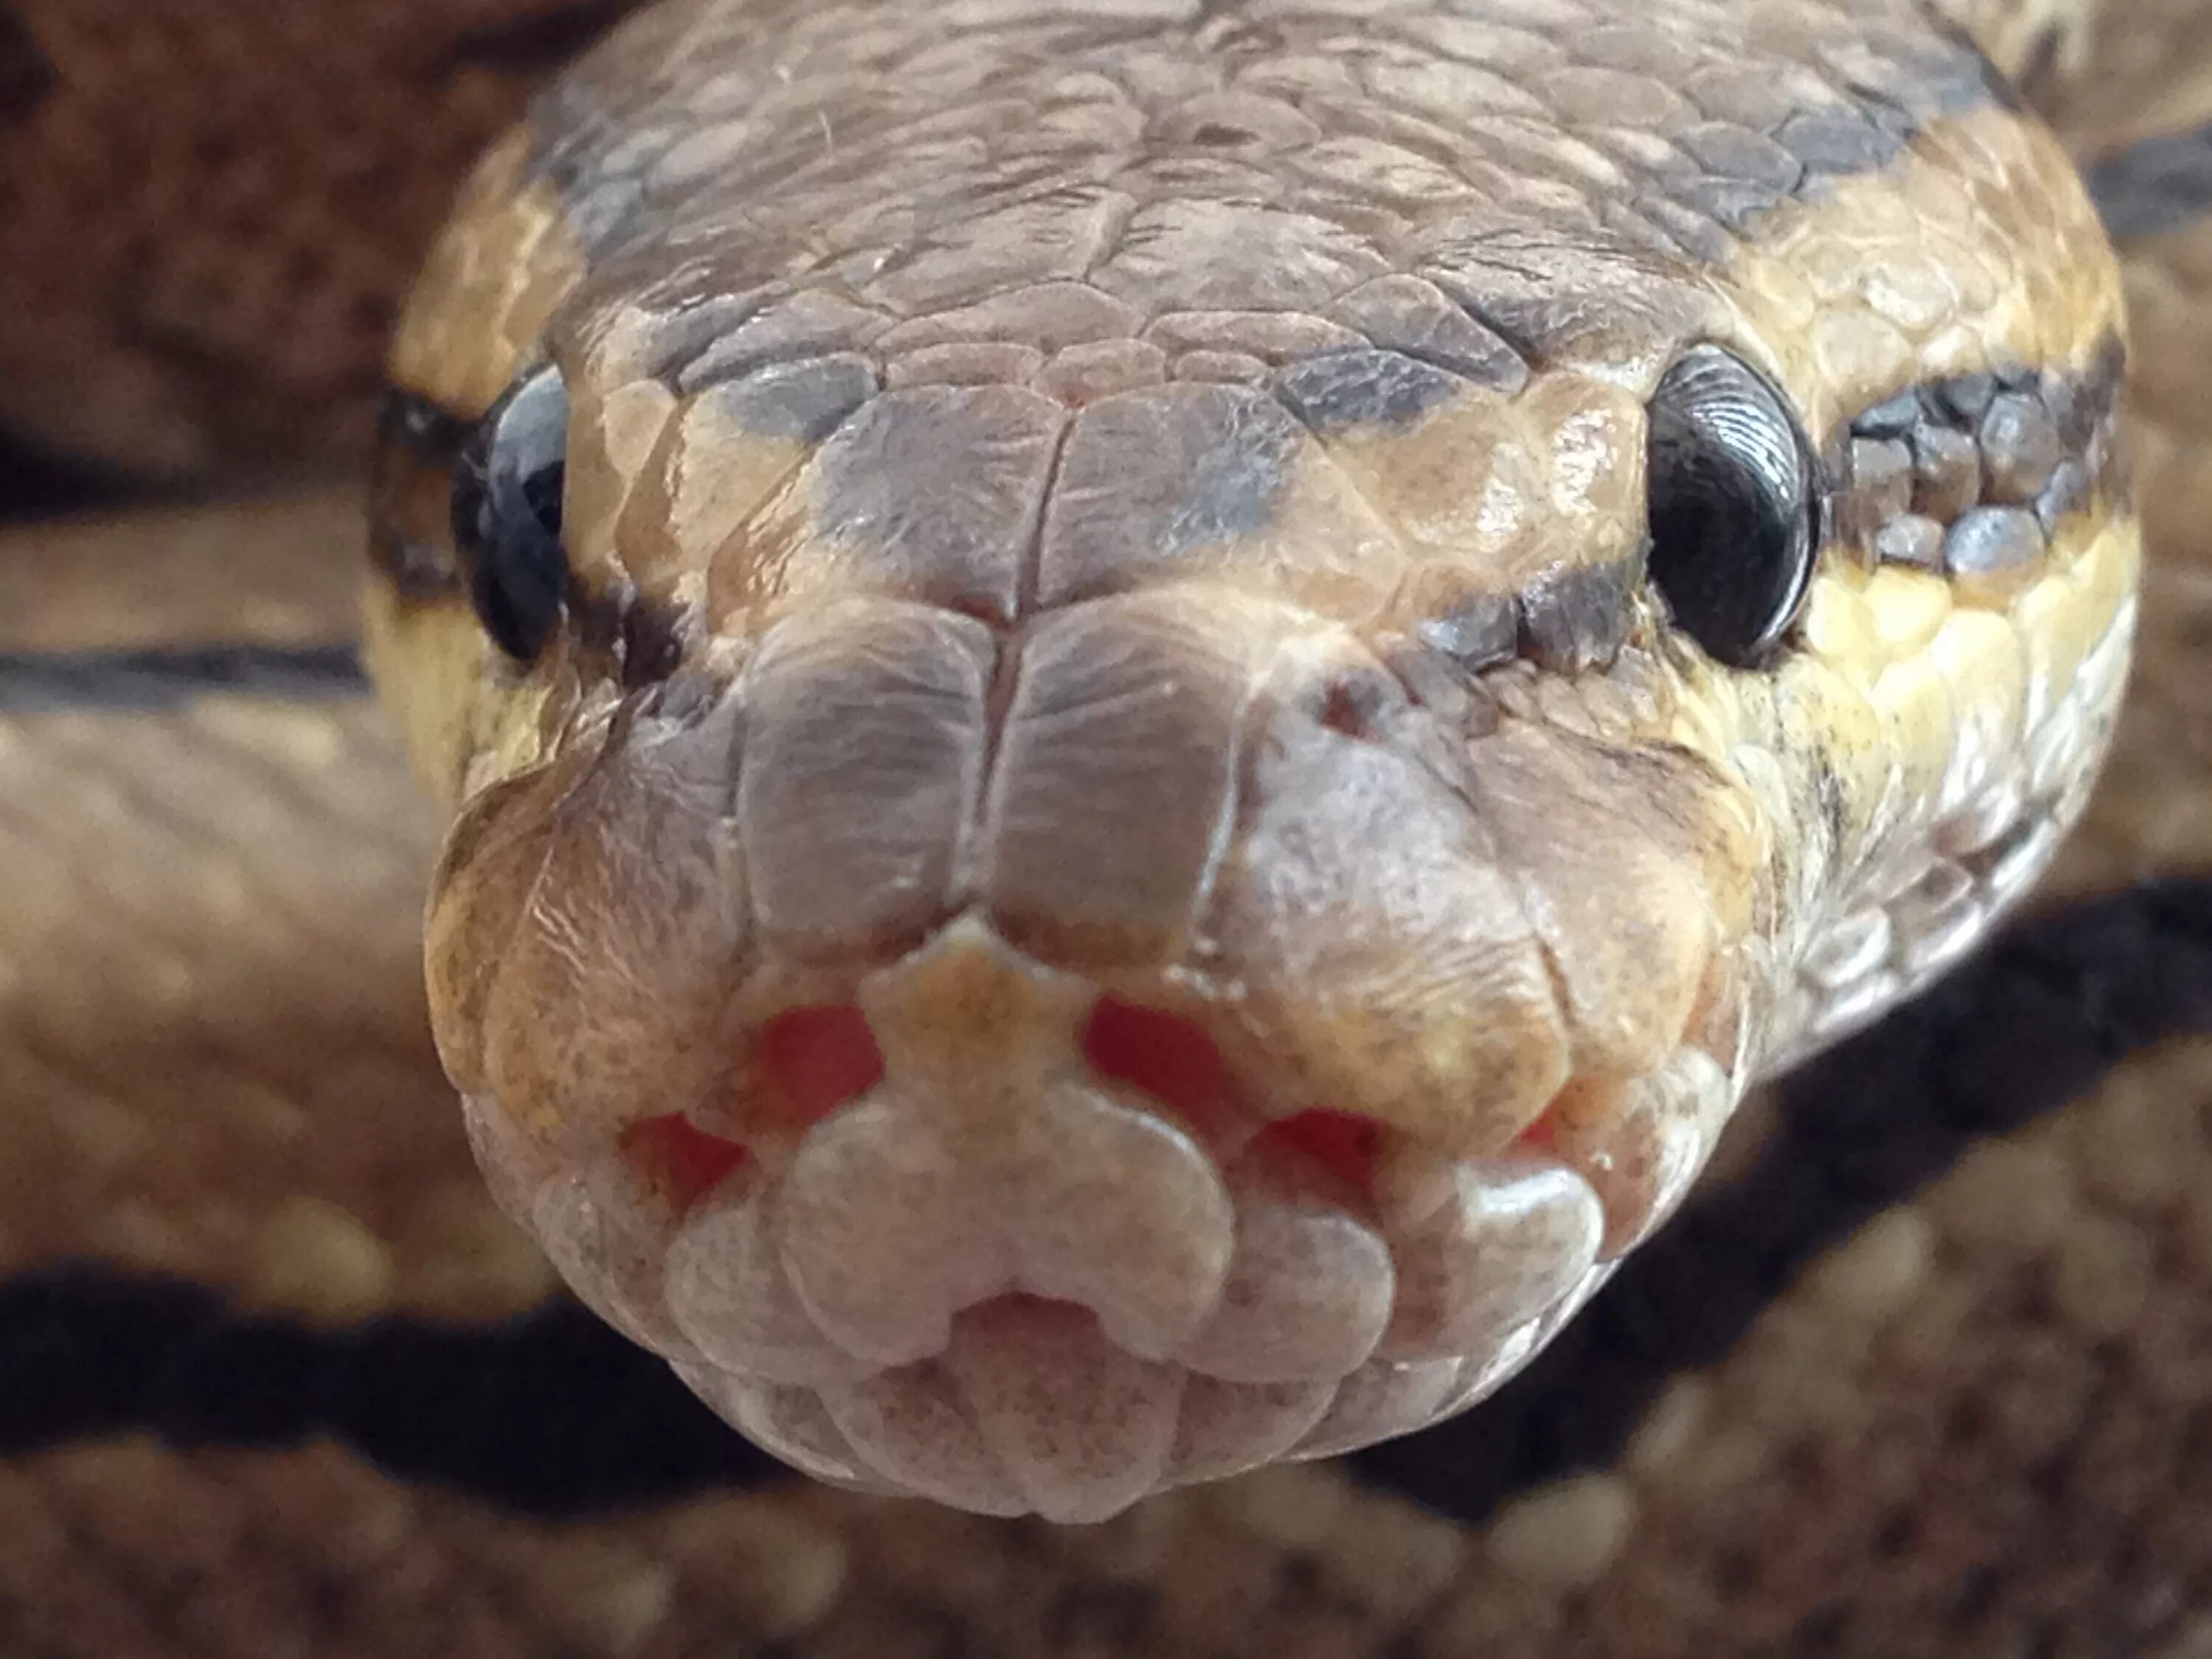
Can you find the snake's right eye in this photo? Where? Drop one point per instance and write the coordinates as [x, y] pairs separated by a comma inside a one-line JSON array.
[[1734, 512], [506, 514]]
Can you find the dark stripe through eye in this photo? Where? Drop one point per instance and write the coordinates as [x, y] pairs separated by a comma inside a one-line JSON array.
[[2158, 186], [1971, 477]]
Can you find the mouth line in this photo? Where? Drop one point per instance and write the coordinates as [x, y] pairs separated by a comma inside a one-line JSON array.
[[1136, 1281]]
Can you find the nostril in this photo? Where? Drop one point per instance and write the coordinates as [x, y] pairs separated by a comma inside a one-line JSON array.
[[1342, 713], [815, 1060], [1168, 1056], [1343, 1143], [679, 1160]]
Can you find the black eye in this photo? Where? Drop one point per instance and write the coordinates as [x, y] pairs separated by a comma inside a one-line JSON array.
[[1733, 512], [506, 514]]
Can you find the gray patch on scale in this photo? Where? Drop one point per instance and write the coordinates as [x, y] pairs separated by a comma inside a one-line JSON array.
[[1344, 389]]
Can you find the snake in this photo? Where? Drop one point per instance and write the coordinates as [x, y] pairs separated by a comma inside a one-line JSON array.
[[1984, 1410], [1149, 711], [1919, 1368]]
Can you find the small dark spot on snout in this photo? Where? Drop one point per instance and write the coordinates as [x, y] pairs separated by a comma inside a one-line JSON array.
[[1358, 703], [1340, 712], [1377, 707], [28, 75], [1365, 388]]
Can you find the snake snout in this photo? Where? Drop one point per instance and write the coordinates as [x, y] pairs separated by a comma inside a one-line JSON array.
[[1024, 1209], [990, 1233], [1027, 1208]]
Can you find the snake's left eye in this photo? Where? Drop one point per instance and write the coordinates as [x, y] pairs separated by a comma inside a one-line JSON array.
[[1734, 511], [506, 514]]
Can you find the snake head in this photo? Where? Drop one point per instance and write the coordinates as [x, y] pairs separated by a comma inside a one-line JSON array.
[[1110, 825]]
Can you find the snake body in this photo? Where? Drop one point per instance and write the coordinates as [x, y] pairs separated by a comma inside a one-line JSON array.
[[1151, 711]]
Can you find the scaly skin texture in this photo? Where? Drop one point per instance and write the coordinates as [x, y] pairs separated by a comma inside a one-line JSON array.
[[1031, 478]]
